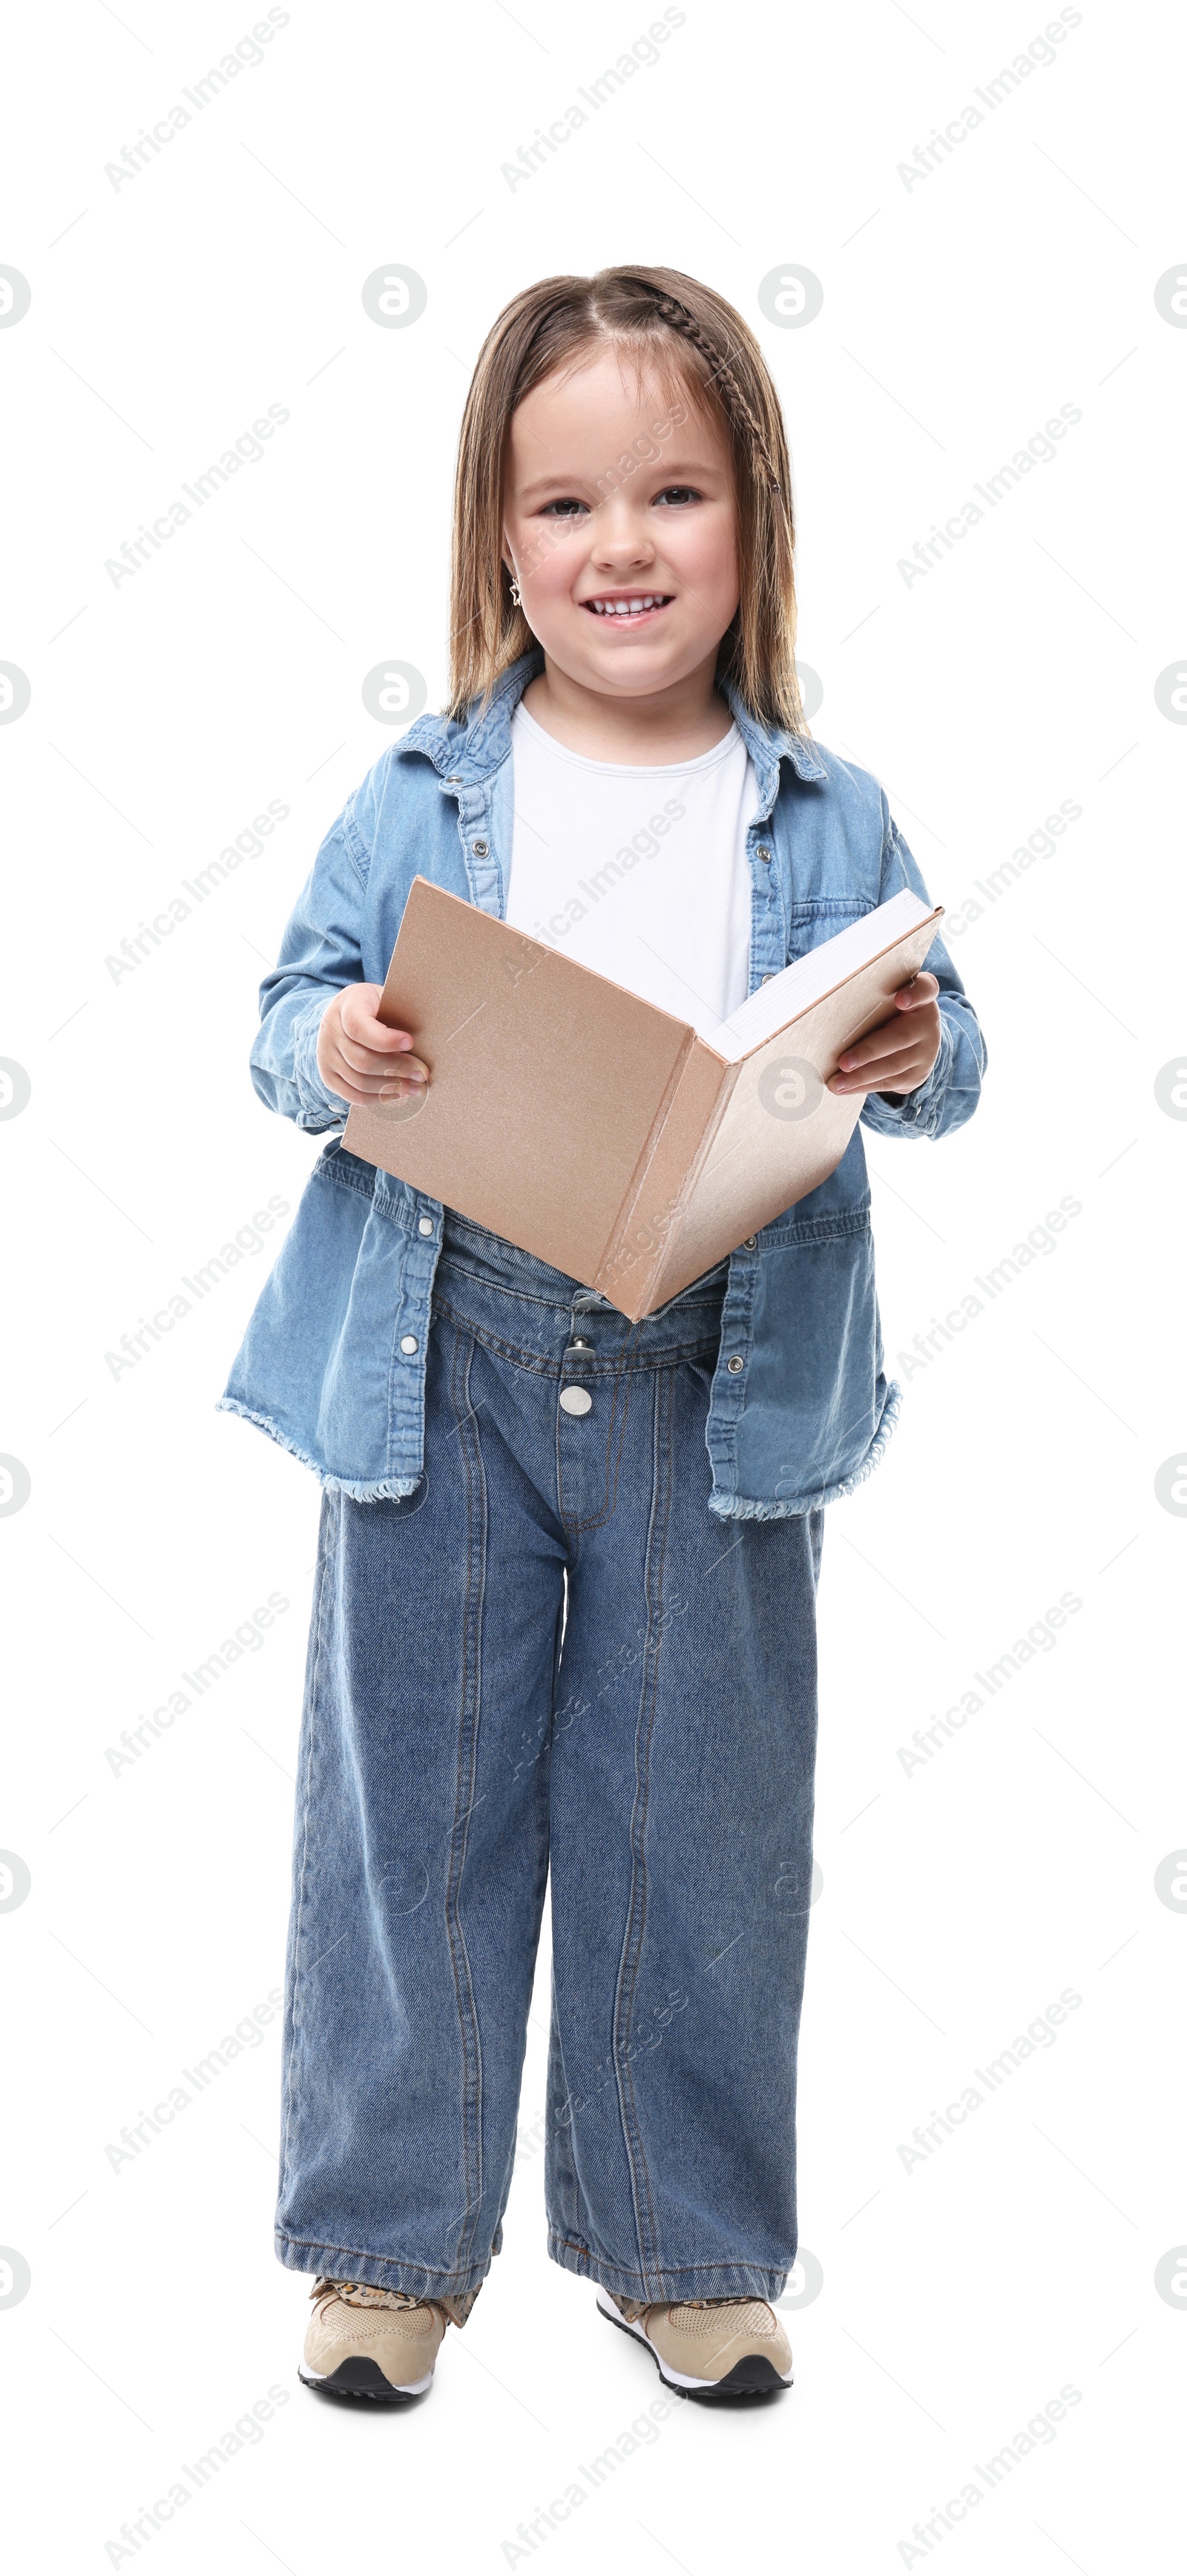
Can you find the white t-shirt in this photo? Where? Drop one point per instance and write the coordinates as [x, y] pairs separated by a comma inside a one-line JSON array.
[[640, 873]]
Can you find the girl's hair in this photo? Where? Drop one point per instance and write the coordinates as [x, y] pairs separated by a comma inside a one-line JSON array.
[[661, 318]]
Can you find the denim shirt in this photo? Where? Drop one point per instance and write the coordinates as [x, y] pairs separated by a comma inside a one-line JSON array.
[[333, 1360]]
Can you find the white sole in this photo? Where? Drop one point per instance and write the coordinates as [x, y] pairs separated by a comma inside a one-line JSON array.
[[671, 2378]]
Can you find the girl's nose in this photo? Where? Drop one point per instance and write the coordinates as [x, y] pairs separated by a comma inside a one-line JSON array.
[[620, 542], [619, 560]]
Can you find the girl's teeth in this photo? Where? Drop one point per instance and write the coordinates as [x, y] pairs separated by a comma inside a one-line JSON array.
[[624, 607]]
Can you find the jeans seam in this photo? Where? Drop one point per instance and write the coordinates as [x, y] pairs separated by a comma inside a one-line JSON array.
[[468, 1722], [660, 1365], [678, 2281], [664, 1367], [359, 2254], [551, 2125], [718, 2265], [328, 1552], [636, 1923], [538, 1364], [598, 1519], [512, 1286]]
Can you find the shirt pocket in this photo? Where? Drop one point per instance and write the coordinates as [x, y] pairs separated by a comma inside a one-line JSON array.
[[820, 918]]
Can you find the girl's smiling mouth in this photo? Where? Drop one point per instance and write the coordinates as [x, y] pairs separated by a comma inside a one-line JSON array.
[[627, 607]]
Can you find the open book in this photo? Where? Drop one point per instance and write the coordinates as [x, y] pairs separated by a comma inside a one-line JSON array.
[[598, 1132]]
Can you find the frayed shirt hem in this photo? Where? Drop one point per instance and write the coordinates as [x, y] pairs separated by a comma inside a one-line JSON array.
[[392, 1489], [742, 1507], [726, 1507]]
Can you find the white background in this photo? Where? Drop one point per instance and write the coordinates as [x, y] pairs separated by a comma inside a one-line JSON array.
[[959, 1898]]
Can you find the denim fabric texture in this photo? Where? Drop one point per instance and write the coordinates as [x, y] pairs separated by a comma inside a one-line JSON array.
[[333, 1360], [660, 1759]]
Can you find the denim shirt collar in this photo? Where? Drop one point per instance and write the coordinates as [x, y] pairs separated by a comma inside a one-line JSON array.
[[464, 755]]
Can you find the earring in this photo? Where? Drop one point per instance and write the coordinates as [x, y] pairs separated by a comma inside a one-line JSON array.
[[515, 599]]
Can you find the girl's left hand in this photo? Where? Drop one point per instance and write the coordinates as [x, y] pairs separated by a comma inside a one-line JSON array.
[[899, 1055]]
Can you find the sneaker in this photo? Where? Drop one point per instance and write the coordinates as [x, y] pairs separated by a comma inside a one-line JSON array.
[[383, 2344], [708, 2347]]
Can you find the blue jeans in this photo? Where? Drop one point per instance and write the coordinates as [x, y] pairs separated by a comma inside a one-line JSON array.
[[552, 1655]]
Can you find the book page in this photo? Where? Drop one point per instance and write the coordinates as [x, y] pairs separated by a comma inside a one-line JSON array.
[[781, 1131], [775, 1004]]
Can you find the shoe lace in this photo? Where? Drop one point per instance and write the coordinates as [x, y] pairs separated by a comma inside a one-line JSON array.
[[365, 2294]]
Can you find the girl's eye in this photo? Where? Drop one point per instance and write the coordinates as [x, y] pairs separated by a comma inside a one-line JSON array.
[[678, 493], [562, 509]]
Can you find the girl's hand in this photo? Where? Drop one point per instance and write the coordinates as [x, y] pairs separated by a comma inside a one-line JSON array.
[[899, 1055], [359, 1057]]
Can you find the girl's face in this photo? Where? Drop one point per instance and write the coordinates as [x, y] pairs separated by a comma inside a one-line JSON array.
[[619, 526]]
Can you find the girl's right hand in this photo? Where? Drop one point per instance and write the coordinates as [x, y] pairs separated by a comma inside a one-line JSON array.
[[359, 1057]]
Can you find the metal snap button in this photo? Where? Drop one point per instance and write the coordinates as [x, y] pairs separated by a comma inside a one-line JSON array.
[[425, 1226], [765, 854], [733, 1365], [575, 1399], [453, 782], [751, 1241], [481, 849], [409, 1344], [578, 1344], [768, 979]]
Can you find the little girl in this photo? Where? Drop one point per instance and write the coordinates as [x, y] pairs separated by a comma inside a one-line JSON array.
[[564, 1614]]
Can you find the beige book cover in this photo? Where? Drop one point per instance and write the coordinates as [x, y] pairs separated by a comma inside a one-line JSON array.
[[594, 1130]]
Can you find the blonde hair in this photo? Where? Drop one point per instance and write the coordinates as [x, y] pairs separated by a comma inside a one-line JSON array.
[[661, 317]]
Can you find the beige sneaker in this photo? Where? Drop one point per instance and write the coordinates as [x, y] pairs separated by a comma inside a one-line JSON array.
[[708, 2347], [383, 2344]]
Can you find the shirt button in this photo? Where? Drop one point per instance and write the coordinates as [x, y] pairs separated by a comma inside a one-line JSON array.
[[768, 979], [765, 854], [733, 1365], [425, 1226], [481, 849], [750, 1243], [453, 782], [409, 1344], [575, 1399]]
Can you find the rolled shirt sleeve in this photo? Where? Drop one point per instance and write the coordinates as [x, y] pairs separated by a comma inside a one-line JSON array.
[[319, 955], [952, 1089]]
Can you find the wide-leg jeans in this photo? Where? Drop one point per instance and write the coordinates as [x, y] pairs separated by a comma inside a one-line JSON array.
[[551, 1657]]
